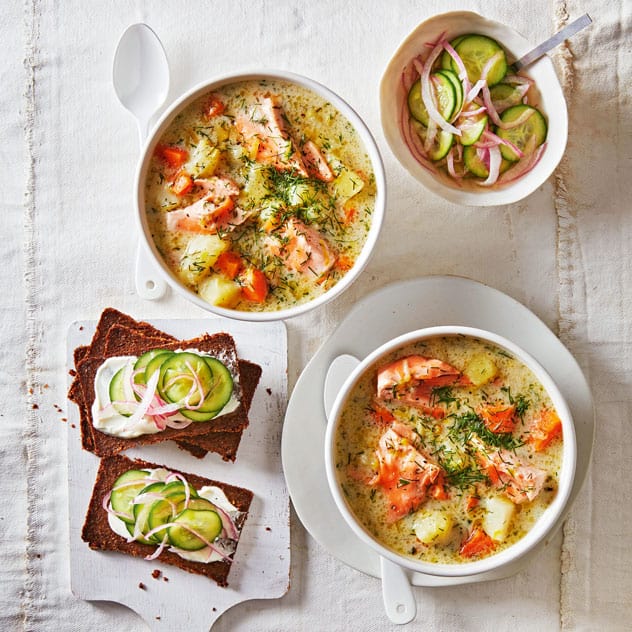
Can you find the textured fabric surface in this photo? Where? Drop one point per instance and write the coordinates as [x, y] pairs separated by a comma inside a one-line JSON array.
[[69, 152]]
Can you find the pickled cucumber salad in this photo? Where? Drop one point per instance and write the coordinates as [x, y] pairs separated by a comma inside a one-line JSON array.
[[468, 117], [161, 389], [449, 451], [162, 509], [259, 196]]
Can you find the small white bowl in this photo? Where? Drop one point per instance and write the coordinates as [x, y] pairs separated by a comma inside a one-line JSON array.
[[552, 104], [544, 524], [376, 218]]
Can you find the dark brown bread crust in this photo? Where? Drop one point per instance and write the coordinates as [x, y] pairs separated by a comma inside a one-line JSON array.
[[221, 345], [115, 334], [97, 533]]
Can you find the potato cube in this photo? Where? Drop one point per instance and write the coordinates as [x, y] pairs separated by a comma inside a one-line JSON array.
[[200, 256], [219, 290], [433, 526], [257, 184], [347, 182], [480, 369], [204, 160], [497, 517]]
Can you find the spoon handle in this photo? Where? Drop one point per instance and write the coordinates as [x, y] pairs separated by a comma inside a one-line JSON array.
[[568, 31]]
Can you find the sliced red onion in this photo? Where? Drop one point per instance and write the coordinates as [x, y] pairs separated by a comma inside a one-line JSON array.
[[523, 166], [428, 96], [450, 163], [494, 139], [145, 402], [473, 93], [229, 525], [490, 62], [469, 113], [518, 79], [465, 80], [494, 167], [105, 503], [158, 550]]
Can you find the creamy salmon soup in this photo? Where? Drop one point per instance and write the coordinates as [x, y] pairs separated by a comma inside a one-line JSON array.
[[448, 450], [259, 196]]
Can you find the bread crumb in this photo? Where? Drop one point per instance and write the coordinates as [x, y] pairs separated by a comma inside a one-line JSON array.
[[268, 529], [35, 407], [269, 391], [142, 586], [156, 573], [165, 579]]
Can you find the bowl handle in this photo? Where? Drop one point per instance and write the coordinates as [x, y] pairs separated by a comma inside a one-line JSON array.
[[397, 593], [149, 283], [339, 370]]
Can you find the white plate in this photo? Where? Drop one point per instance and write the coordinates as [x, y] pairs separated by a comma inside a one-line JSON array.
[[389, 312], [262, 562]]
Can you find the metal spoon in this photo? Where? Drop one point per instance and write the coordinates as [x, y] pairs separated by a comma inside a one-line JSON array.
[[568, 31], [141, 82]]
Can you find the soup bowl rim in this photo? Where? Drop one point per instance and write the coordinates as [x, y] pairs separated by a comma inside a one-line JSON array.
[[542, 527], [369, 144]]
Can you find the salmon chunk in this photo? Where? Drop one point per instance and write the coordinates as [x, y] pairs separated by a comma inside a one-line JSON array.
[[301, 248], [411, 380], [316, 162], [405, 473], [519, 482], [214, 212], [263, 125]]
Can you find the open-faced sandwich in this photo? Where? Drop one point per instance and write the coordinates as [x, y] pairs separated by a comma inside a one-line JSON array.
[[137, 385], [147, 510]]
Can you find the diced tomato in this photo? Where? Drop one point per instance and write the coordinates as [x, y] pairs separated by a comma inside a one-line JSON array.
[[214, 108], [173, 155], [476, 543], [182, 184], [230, 263], [499, 418], [254, 285], [547, 428]]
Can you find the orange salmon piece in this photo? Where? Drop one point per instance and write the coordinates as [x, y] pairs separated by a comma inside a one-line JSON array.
[[405, 473]]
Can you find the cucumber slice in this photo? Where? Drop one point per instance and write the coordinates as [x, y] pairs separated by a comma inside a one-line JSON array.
[[473, 130], [416, 105], [141, 514], [445, 94], [155, 363], [177, 377], [526, 136], [476, 51], [119, 393], [446, 58], [476, 166], [473, 163], [162, 511], [441, 145], [130, 484], [458, 91], [505, 96], [207, 523], [141, 364]]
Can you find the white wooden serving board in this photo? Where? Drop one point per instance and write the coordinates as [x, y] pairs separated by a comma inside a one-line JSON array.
[[262, 561]]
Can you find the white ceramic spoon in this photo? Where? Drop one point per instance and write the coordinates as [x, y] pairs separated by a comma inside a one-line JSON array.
[[141, 81], [397, 593]]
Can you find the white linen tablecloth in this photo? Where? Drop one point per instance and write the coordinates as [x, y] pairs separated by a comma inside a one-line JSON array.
[[68, 154]]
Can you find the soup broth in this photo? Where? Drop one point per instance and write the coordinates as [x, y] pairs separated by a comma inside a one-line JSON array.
[[259, 196], [448, 450]]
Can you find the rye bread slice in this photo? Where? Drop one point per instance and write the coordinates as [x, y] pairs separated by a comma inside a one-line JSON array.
[[226, 443], [220, 345], [99, 536]]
